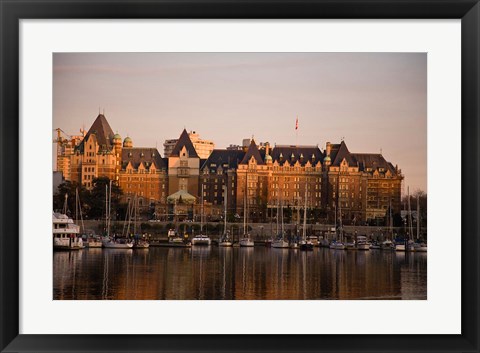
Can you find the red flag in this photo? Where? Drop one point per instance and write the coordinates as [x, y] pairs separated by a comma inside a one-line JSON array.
[[296, 124]]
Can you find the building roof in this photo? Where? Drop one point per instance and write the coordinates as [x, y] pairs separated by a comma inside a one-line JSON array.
[[292, 154], [184, 140], [138, 155], [343, 153], [252, 152], [224, 158], [181, 195], [104, 133], [372, 161]]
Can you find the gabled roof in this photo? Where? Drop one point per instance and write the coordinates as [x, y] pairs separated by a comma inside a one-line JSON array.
[[139, 155], [252, 152], [184, 140], [181, 195], [218, 158], [302, 154], [102, 130], [343, 153], [373, 161]]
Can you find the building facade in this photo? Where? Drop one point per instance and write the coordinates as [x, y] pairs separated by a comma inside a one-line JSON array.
[[335, 183]]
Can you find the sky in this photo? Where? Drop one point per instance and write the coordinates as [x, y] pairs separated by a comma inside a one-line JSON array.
[[375, 102]]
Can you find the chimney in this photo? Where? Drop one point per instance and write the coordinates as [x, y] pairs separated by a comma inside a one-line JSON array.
[[267, 148]]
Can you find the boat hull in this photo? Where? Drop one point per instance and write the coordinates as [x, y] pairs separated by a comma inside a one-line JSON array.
[[280, 244], [201, 242], [113, 245], [246, 243]]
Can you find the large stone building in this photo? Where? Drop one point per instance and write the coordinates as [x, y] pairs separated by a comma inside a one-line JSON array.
[[101, 153], [258, 178]]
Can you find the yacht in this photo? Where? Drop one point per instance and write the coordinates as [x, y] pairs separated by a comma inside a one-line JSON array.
[[362, 243], [246, 242], [114, 243], [66, 234], [201, 239], [280, 243]]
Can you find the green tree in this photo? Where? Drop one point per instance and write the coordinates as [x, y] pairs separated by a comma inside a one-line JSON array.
[[69, 188], [97, 200]]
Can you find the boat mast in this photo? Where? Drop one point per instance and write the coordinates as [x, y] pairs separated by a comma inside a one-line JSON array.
[[305, 216], [418, 217], [335, 221], [78, 207], [278, 215], [341, 226], [135, 202], [201, 210], [65, 204], [109, 206], [390, 220], [106, 209], [409, 215], [225, 212]]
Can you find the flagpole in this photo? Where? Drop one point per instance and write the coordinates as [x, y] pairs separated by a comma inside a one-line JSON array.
[[296, 132]]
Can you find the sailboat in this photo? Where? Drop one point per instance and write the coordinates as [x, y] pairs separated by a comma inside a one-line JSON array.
[[109, 242], [280, 242], [201, 239], [419, 247], [338, 244], [245, 241], [406, 245], [138, 242], [225, 239], [304, 243], [91, 241]]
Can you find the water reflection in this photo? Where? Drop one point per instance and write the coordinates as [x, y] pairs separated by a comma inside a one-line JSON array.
[[238, 273]]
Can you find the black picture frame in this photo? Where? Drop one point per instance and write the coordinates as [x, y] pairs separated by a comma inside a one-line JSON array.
[[13, 11]]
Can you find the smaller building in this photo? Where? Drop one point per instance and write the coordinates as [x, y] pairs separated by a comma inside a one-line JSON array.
[[202, 147]]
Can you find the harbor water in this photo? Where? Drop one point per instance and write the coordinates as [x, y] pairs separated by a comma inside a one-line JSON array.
[[259, 273]]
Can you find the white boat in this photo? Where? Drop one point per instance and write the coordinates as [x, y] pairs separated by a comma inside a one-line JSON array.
[[362, 243], [141, 244], [305, 244], [419, 247], [400, 247], [246, 242], [201, 239], [387, 245], [114, 242], [110, 243], [225, 240], [337, 245], [280, 242], [92, 242], [294, 245], [66, 234], [350, 245]]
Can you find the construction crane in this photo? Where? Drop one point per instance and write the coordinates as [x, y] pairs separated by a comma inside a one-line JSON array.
[[61, 141]]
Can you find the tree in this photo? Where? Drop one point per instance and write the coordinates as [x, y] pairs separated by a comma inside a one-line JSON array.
[[69, 188], [422, 197], [97, 200]]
